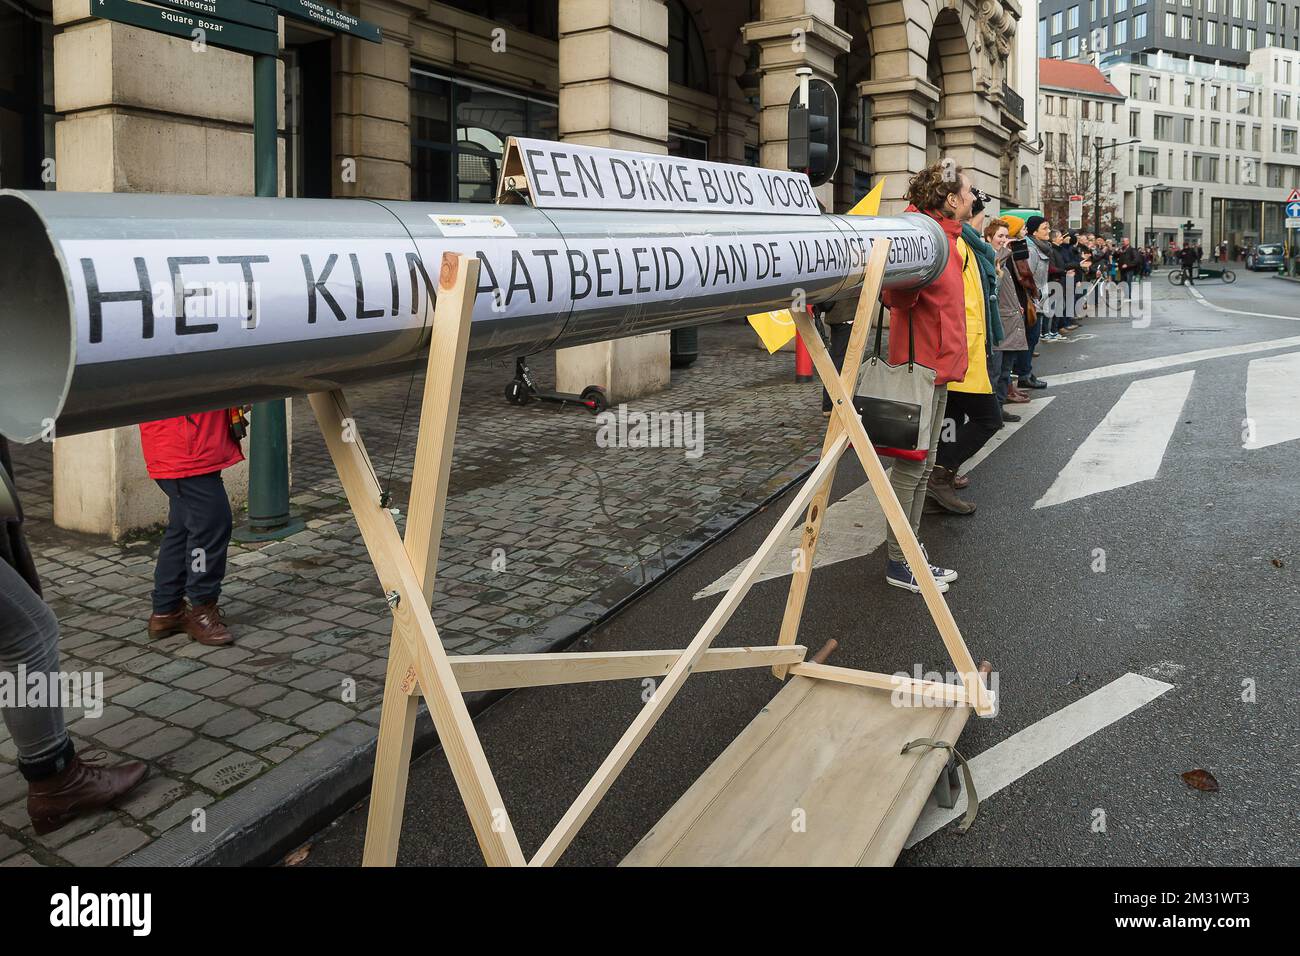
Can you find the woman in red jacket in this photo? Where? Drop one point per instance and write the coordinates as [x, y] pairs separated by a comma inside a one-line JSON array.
[[936, 314], [186, 456]]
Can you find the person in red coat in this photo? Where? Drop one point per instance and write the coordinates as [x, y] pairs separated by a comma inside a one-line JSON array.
[[936, 315], [185, 457]]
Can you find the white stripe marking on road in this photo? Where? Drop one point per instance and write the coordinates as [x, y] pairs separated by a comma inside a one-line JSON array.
[[855, 525], [1028, 749], [1170, 361], [1218, 308], [1129, 444], [1273, 399]]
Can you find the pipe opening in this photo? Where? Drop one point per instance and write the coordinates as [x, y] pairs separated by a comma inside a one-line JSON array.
[[37, 327]]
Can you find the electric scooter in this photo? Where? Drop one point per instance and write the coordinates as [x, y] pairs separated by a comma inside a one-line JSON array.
[[523, 390]]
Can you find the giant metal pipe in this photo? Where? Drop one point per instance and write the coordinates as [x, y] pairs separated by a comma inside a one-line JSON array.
[[120, 308]]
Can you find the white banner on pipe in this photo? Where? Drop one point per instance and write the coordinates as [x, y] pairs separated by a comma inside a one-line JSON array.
[[571, 176], [156, 297]]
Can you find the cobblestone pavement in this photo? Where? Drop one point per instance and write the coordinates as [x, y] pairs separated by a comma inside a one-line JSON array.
[[545, 531]]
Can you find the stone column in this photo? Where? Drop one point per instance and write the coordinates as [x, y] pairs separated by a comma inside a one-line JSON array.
[[372, 111], [614, 92], [142, 112], [901, 111], [790, 35]]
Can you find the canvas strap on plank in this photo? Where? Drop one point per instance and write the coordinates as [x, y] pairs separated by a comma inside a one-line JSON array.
[[972, 798]]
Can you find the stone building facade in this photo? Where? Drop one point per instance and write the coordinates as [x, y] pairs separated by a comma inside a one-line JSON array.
[[424, 116]]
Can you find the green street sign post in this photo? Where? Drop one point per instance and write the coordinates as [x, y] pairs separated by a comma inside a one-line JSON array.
[[239, 37], [268, 442], [252, 27], [326, 16], [247, 12]]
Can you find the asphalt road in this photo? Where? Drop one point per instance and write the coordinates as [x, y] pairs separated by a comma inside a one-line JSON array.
[[1200, 590]]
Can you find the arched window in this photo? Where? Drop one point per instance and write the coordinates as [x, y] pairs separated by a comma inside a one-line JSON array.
[[687, 64]]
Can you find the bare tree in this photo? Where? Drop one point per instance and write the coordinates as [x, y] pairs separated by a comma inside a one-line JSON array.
[[1068, 171]]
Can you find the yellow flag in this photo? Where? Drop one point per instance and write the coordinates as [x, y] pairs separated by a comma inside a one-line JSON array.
[[869, 205], [777, 328], [774, 328]]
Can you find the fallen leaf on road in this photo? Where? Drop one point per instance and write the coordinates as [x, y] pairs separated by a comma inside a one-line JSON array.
[[300, 854], [1201, 780], [1277, 563]]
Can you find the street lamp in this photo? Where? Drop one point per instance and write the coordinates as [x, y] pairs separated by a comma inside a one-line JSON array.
[[1097, 147], [1137, 213]]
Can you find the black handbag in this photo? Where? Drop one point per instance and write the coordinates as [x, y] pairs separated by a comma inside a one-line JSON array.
[[896, 402]]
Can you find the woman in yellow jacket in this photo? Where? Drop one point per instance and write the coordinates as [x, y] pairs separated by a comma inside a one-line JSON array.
[[972, 415]]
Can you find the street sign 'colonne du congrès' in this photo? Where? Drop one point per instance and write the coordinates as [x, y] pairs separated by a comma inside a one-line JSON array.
[[246, 26]]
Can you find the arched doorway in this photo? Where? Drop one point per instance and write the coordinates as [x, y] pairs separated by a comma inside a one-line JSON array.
[[950, 68]]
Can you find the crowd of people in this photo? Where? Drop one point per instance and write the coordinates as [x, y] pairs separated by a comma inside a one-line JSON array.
[[1009, 284]]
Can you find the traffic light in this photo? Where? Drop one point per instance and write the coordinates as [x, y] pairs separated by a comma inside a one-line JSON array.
[[813, 137], [1117, 228]]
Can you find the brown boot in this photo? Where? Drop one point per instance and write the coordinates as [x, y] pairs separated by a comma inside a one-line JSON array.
[[204, 624], [960, 481], [940, 491], [164, 625], [81, 787]]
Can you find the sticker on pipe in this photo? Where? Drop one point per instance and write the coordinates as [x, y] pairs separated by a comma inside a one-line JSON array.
[[476, 226]]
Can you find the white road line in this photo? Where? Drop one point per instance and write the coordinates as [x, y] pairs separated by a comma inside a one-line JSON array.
[[1129, 444], [855, 525], [1273, 399], [1008, 761], [1171, 361], [1218, 308]]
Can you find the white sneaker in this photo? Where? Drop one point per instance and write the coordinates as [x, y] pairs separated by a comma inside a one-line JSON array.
[[946, 575]]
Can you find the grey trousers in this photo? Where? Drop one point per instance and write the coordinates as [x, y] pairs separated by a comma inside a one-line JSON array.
[[29, 635], [909, 478]]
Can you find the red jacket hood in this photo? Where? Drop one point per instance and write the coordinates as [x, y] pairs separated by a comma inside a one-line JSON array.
[[189, 445]]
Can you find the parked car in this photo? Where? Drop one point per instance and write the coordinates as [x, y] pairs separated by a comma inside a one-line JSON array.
[[1267, 255]]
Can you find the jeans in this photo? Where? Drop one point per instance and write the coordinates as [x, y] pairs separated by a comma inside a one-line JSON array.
[[192, 556], [1024, 362], [1002, 383], [909, 478], [977, 417], [29, 637]]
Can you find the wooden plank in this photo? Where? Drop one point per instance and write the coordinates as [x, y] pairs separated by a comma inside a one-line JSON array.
[[414, 623], [596, 788], [868, 311], [884, 492], [496, 671], [816, 779], [436, 436], [918, 692]]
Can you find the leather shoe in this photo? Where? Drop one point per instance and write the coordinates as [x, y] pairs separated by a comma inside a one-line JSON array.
[[204, 624], [1008, 417], [163, 625], [82, 786], [1016, 397], [1032, 382], [940, 491]]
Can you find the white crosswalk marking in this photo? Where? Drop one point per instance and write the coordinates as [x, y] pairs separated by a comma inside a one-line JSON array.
[[1004, 763], [855, 525], [1273, 400], [1128, 445]]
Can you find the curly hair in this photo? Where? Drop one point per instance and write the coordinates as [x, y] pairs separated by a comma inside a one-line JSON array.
[[929, 189], [993, 225]]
